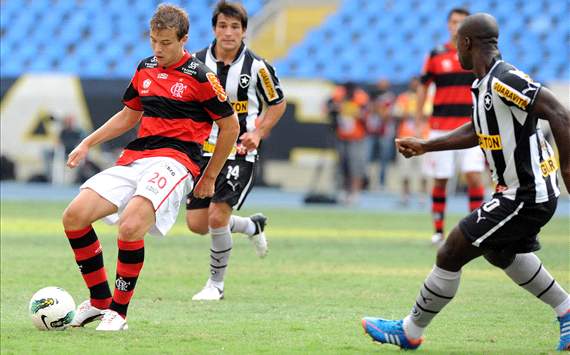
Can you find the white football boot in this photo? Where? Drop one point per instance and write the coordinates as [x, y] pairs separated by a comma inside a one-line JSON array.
[[86, 313], [258, 238], [210, 292], [112, 322]]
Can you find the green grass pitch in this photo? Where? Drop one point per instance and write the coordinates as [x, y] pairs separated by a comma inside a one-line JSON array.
[[326, 269]]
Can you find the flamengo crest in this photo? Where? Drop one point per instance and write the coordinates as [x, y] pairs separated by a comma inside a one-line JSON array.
[[177, 89]]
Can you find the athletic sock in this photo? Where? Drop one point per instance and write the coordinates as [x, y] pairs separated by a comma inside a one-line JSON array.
[[242, 225], [89, 258], [411, 329], [220, 252], [129, 264], [563, 308], [529, 273], [476, 195], [438, 198], [438, 290]]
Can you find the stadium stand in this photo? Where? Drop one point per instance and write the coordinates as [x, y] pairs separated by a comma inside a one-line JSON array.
[[362, 41], [92, 38], [370, 39]]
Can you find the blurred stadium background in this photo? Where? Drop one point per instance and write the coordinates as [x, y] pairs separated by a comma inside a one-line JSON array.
[[63, 58]]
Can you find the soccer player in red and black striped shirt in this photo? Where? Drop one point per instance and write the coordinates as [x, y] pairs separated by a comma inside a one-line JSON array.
[[175, 99], [451, 109]]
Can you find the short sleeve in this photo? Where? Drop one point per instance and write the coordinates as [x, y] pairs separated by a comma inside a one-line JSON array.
[[131, 97], [268, 84], [214, 98], [516, 89]]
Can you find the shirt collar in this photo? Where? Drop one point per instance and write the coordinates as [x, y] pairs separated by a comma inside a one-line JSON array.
[[495, 62], [240, 51]]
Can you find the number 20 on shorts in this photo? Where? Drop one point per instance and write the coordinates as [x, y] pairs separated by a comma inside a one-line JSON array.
[[159, 180]]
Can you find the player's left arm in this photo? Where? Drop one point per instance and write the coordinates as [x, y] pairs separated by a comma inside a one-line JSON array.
[[266, 122], [547, 107], [270, 90]]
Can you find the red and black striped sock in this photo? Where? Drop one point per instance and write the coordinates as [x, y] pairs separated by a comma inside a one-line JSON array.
[[476, 195], [438, 197], [89, 257], [129, 265]]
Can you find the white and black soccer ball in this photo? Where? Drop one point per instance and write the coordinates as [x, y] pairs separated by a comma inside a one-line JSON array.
[[52, 308]]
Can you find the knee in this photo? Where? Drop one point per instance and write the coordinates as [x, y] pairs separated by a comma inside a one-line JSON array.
[[218, 218], [197, 225], [500, 259], [129, 230], [450, 257], [445, 255], [74, 219]]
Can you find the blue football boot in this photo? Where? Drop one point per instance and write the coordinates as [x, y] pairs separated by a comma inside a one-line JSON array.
[[389, 332], [564, 344]]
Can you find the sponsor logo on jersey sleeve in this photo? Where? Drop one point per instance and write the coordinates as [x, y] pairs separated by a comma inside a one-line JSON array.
[[218, 89], [510, 94], [267, 84]]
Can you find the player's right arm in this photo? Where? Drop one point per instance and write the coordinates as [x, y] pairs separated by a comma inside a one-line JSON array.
[[549, 108], [215, 101], [117, 125], [120, 123], [460, 138]]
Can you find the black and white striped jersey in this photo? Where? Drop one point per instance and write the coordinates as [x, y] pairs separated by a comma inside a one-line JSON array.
[[250, 83], [522, 162]]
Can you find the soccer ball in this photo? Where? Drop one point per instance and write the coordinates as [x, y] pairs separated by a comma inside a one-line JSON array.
[[52, 308]]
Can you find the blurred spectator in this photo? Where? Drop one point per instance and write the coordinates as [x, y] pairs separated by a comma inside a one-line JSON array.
[[347, 109], [68, 138], [381, 129], [7, 168], [334, 104], [70, 135], [410, 169]]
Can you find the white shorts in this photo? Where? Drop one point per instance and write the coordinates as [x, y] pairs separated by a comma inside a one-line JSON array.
[[442, 164], [163, 181], [411, 167]]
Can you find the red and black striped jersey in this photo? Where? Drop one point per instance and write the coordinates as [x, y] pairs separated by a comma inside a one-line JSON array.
[[179, 105], [452, 102]]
